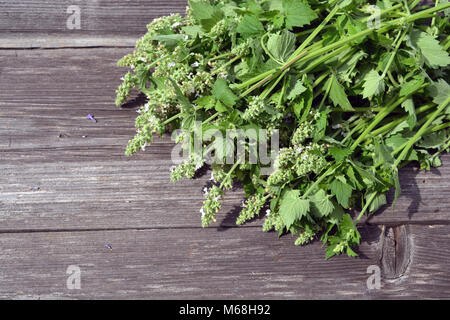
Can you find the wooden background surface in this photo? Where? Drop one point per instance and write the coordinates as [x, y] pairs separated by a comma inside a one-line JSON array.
[[69, 196]]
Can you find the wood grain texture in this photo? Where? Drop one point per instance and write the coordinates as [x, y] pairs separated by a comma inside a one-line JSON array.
[[97, 17], [207, 264], [85, 181], [69, 196]]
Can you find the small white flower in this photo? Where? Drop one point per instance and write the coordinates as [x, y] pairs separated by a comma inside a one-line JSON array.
[[212, 177], [205, 191], [217, 198], [299, 150], [336, 126], [202, 212], [243, 204], [171, 64], [304, 157], [176, 24], [186, 37], [142, 59], [195, 64], [144, 146], [267, 212]]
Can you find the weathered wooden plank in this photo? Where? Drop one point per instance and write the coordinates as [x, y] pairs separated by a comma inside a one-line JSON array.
[[97, 17], [208, 264], [85, 180], [423, 268], [21, 40]]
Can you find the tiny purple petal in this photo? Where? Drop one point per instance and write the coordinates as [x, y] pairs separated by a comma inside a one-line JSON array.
[[91, 117]]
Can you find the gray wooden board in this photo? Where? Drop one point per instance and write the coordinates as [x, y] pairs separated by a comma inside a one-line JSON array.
[[88, 183], [97, 17], [211, 264], [67, 192]]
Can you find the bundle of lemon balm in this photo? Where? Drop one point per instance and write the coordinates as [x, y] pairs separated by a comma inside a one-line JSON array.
[[312, 106]]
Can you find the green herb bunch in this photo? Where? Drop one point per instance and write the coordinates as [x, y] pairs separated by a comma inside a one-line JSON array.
[[356, 89]]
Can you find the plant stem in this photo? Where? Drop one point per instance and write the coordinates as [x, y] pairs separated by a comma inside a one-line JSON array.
[[421, 131], [227, 64], [394, 123], [366, 206], [229, 173], [380, 116], [315, 32], [401, 35]]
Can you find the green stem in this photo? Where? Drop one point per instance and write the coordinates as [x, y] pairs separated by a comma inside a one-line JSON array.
[[318, 181], [229, 173], [327, 92], [433, 21], [315, 32], [366, 206], [254, 79], [227, 64], [380, 116], [324, 58], [393, 124], [269, 89], [421, 131], [225, 55], [401, 35]]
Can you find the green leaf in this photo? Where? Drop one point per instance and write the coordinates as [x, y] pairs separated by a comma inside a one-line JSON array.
[[220, 107], [373, 84], [281, 45], [168, 40], [330, 251], [395, 141], [297, 89], [408, 105], [205, 13], [206, 102], [250, 26], [432, 51], [411, 86], [322, 205], [192, 31], [399, 128], [397, 187], [338, 95], [378, 201], [382, 154], [223, 93], [292, 207], [433, 140], [181, 98], [346, 72], [339, 154], [346, 224], [342, 191], [440, 91], [297, 13], [321, 126], [336, 215]]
